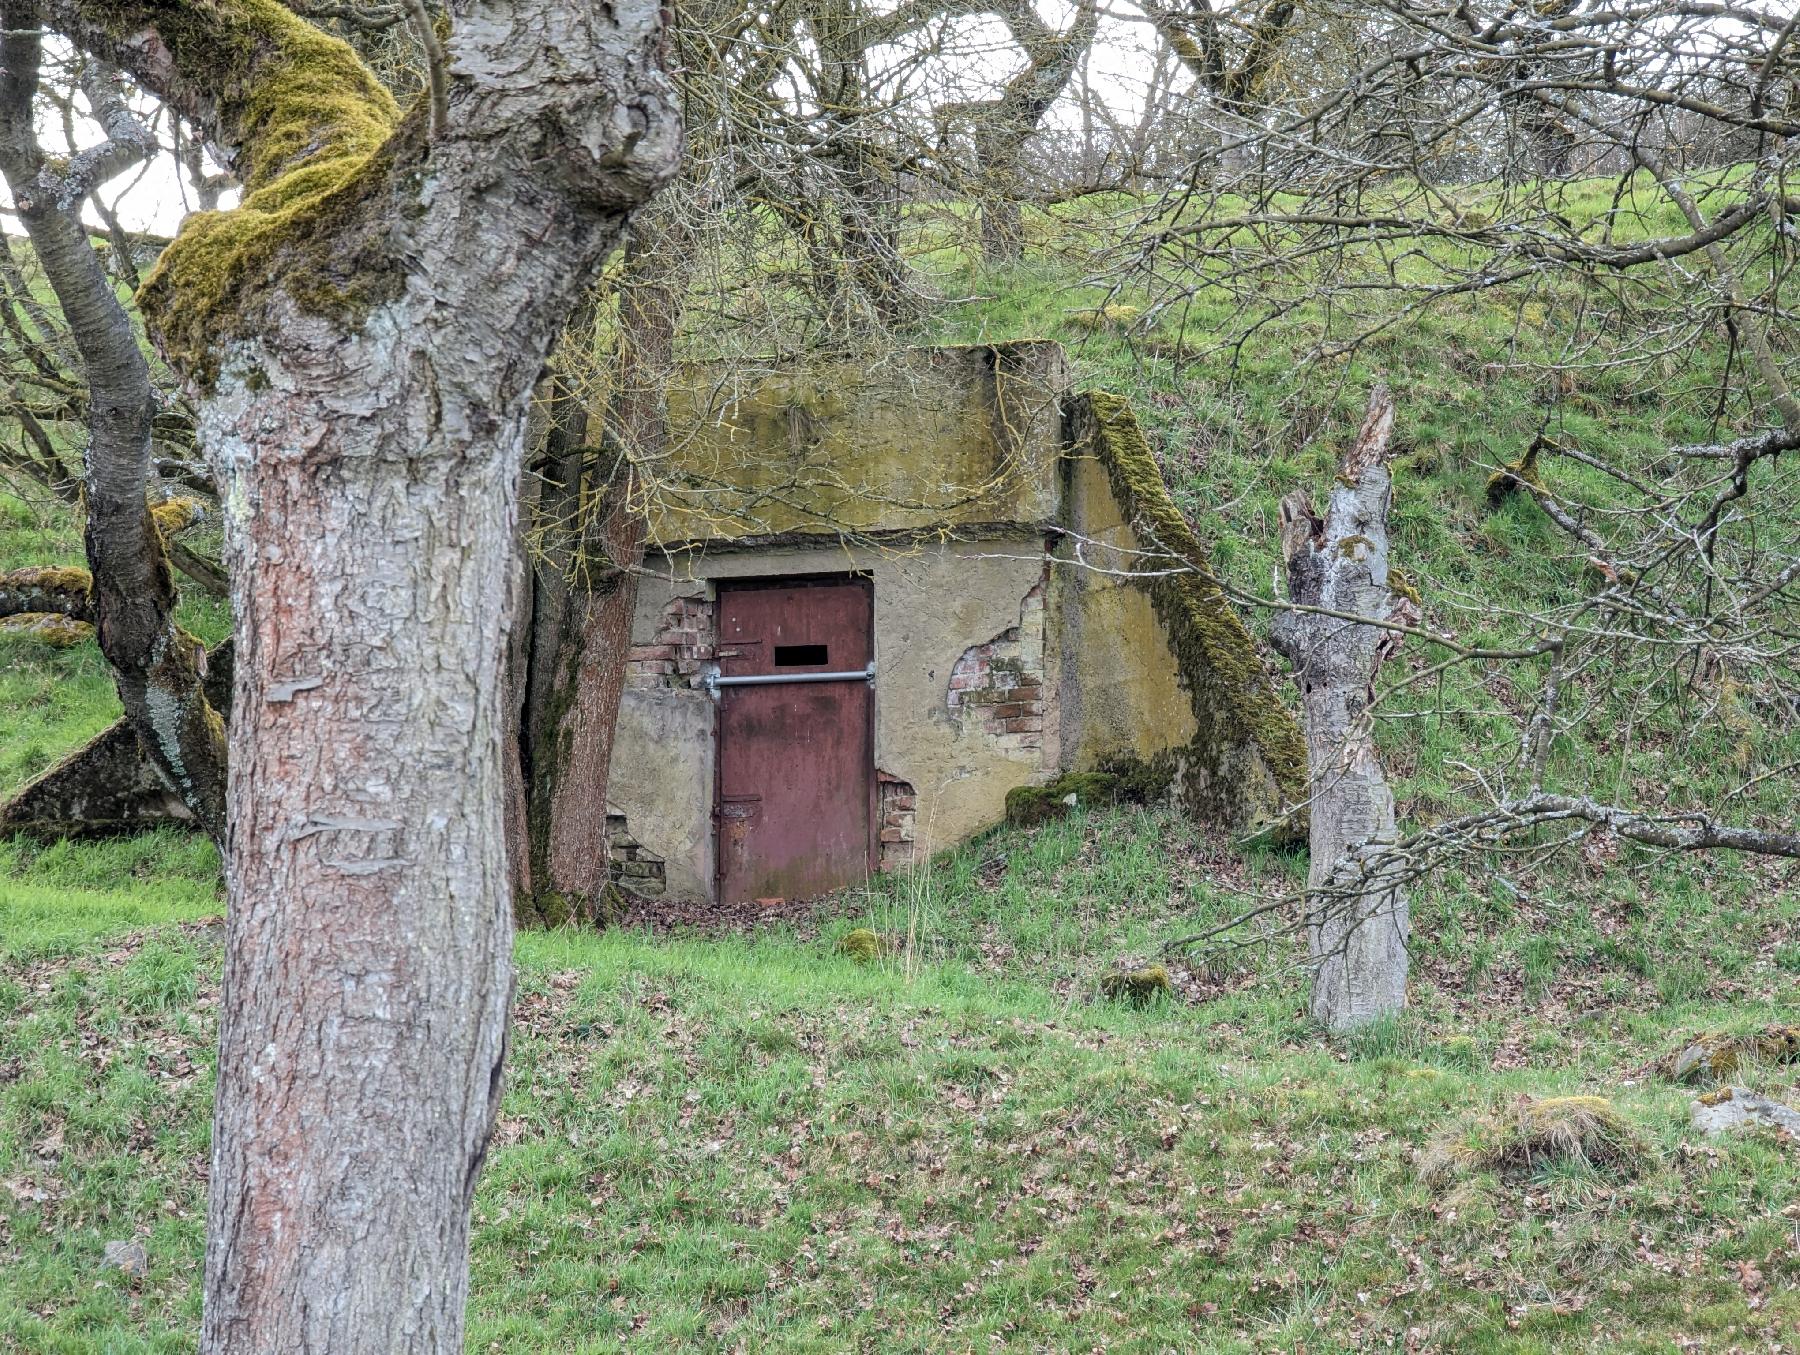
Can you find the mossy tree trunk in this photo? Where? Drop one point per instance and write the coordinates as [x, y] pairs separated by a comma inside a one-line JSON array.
[[364, 335], [585, 583], [156, 666], [1357, 920]]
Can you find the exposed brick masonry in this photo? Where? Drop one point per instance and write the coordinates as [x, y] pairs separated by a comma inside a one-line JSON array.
[[998, 687], [685, 642], [899, 806], [634, 866]]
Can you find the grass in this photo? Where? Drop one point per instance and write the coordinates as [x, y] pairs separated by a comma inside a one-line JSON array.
[[758, 1143]]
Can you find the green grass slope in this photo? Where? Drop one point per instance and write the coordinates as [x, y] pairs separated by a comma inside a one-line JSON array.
[[756, 1143], [724, 1143]]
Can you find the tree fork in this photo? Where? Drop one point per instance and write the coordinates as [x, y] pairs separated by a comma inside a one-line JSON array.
[[157, 667]]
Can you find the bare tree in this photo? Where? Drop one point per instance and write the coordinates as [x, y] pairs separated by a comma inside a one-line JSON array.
[[156, 665], [364, 334], [1231, 53], [1002, 125], [1620, 178]]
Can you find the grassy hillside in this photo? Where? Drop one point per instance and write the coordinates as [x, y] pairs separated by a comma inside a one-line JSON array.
[[733, 1143], [719, 1143]]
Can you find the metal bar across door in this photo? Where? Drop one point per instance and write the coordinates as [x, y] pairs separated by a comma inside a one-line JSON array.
[[714, 681], [795, 790]]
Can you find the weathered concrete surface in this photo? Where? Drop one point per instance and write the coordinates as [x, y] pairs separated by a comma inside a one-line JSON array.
[[1120, 693], [662, 782], [934, 437], [1040, 604], [1244, 763]]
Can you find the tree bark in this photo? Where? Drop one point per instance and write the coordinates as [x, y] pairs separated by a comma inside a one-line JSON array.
[[157, 667], [365, 365], [1357, 919], [586, 589]]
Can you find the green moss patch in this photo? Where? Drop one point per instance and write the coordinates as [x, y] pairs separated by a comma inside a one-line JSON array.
[[1513, 476], [1243, 729], [48, 628], [313, 130], [1124, 780], [1030, 805], [1715, 1058], [864, 945], [1137, 987], [49, 578]]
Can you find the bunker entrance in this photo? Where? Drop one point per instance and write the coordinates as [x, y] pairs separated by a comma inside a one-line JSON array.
[[796, 766]]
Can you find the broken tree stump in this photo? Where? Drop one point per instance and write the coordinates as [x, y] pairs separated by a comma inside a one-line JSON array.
[[1357, 918]]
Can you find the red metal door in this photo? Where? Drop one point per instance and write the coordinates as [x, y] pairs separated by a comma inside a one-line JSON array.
[[796, 759]]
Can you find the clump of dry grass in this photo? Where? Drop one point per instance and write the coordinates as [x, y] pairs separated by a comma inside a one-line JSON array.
[[1537, 1131]]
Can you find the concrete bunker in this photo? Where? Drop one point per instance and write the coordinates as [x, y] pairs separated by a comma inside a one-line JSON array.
[[877, 601], [873, 603]]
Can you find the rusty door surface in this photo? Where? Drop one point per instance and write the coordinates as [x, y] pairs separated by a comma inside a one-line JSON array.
[[796, 773]]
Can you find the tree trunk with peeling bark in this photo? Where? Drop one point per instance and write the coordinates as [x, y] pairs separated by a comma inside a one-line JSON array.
[[364, 334], [1357, 920], [157, 667]]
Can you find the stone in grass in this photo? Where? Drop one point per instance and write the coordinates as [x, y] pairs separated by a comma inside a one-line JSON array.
[[1139, 987], [128, 1256], [864, 945], [1535, 1132], [1731, 1108], [1716, 1058]]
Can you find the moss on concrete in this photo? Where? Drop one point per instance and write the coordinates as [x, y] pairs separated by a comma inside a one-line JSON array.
[[924, 440], [1233, 702], [1120, 780], [1029, 805]]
